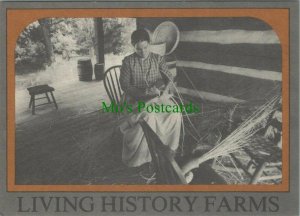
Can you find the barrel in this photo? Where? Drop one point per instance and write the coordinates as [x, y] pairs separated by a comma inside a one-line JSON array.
[[99, 71], [85, 69]]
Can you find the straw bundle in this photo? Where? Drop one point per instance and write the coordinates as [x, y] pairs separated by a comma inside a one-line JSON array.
[[239, 138]]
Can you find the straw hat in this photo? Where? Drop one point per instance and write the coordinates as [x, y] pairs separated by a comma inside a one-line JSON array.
[[168, 33]]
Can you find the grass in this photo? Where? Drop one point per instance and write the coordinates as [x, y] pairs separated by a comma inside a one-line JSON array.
[[60, 71]]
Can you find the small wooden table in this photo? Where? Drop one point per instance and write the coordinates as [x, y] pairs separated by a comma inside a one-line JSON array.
[[40, 89]]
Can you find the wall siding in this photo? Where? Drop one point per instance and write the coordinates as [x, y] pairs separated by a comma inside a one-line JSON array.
[[255, 56]]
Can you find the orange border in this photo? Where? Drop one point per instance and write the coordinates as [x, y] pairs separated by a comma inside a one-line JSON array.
[[18, 19]]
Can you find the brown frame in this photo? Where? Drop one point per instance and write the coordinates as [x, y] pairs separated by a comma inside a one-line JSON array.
[[18, 19]]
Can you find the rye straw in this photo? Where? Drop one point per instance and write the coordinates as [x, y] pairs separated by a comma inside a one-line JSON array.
[[239, 138]]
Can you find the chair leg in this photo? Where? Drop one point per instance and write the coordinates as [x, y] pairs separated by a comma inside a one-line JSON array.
[[54, 101], [214, 163], [259, 170], [49, 101], [33, 104], [250, 166], [30, 102]]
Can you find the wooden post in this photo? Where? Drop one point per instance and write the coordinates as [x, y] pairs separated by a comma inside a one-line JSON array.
[[45, 28], [99, 48]]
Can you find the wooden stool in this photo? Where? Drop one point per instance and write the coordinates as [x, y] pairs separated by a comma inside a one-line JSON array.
[[40, 89]]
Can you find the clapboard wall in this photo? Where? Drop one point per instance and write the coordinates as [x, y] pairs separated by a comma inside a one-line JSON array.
[[224, 59]]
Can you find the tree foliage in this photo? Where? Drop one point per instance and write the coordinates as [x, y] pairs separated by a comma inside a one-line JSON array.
[[30, 50], [113, 40], [67, 35]]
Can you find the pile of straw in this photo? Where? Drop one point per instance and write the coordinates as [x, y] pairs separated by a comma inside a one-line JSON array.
[[239, 138]]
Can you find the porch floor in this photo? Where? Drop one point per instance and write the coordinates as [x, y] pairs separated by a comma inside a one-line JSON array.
[[75, 144]]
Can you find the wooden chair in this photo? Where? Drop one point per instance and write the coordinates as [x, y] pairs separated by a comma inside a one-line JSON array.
[[167, 170], [112, 84], [264, 165], [263, 161]]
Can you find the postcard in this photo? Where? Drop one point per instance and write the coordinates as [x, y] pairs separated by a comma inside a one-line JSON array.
[[149, 108]]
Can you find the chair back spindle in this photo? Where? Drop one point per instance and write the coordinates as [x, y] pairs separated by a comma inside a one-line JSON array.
[[112, 84]]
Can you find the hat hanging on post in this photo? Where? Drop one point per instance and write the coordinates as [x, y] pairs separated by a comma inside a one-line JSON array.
[[166, 33], [158, 48]]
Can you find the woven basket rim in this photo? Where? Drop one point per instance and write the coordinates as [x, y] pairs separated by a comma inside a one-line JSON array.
[[174, 27]]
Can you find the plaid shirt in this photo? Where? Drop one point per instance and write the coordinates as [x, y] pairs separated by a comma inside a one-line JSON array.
[[137, 74]]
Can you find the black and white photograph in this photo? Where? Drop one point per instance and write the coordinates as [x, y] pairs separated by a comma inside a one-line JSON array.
[[148, 101], [141, 107]]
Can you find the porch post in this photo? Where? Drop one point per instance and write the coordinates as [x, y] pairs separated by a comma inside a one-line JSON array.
[[99, 48]]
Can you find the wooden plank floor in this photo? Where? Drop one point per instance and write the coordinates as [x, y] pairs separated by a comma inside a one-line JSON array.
[[75, 144], [72, 151]]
